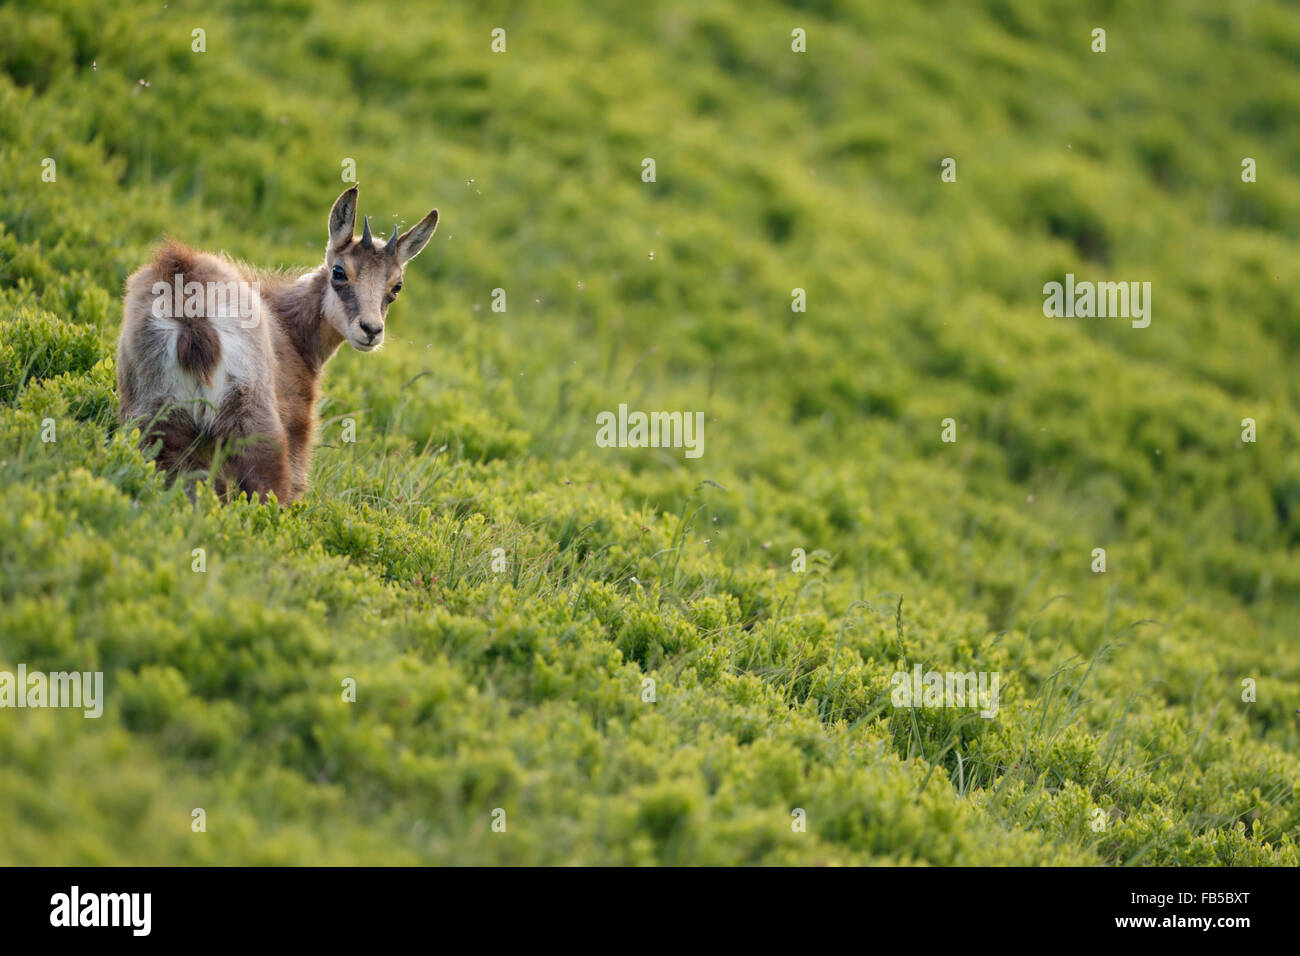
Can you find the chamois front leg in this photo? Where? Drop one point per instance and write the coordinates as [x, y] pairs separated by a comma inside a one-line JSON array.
[[261, 469], [257, 459], [183, 450]]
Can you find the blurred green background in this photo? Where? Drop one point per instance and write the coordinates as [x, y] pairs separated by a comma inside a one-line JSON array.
[[776, 170]]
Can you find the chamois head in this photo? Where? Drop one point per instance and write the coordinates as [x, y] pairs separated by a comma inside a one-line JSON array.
[[365, 275]]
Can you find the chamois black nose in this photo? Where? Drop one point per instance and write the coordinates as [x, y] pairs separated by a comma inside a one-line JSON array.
[[370, 330]]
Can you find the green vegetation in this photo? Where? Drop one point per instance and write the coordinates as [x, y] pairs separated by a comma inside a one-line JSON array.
[[523, 690]]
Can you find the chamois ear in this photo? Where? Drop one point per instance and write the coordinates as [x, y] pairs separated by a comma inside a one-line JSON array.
[[343, 219], [409, 244]]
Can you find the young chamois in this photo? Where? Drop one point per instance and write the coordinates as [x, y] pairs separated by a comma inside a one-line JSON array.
[[215, 355]]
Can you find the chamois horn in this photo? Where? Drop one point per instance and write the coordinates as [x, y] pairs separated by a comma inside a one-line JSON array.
[[367, 241]]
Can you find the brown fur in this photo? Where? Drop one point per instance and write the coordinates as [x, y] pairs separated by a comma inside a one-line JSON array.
[[242, 389]]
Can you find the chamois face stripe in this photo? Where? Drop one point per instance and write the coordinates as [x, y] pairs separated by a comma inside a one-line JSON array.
[[348, 296]]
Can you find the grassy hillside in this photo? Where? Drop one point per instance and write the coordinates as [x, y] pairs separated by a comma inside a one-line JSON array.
[[524, 689]]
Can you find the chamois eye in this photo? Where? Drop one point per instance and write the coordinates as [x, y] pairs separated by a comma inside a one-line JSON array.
[[339, 275], [397, 288]]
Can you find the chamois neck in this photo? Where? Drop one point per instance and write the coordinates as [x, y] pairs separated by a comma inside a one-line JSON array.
[[300, 308]]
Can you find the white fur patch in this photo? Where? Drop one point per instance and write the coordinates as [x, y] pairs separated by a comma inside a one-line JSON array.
[[238, 363]]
